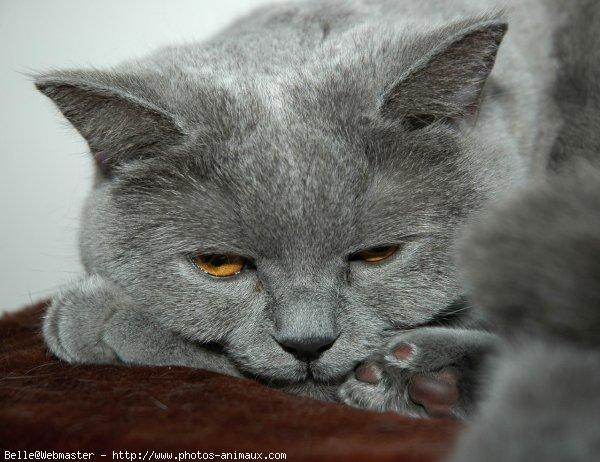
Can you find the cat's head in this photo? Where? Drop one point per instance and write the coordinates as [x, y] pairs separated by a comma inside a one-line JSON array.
[[290, 217]]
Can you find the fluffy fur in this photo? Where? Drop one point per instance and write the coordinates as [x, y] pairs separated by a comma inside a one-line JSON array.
[[533, 265], [299, 135]]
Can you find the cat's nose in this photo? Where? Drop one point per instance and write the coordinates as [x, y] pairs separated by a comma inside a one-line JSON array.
[[306, 349]]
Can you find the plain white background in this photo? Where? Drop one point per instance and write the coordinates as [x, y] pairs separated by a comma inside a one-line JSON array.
[[45, 171]]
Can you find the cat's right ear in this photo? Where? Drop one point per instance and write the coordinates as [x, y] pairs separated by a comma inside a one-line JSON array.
[[115, 114], [446, 84]]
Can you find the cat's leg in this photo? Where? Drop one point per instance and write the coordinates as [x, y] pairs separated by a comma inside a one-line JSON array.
[[430, 371], [93, 322]]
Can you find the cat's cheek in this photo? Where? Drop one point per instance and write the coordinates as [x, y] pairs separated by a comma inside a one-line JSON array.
[[207, 308], [405, 290]]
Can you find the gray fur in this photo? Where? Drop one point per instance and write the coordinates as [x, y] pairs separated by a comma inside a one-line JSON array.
[[543, 406], [533, 266], [297, 136], [94, 322]]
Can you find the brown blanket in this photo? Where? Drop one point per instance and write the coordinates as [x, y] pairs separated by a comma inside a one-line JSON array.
[[50, 405]]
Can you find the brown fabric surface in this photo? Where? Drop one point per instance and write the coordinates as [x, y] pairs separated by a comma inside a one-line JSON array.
[[50, 405]]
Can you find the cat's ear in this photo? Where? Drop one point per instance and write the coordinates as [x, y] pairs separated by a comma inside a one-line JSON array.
[[114, 113], [446, 84]]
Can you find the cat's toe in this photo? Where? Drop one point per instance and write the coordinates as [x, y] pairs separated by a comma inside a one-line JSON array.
[[400, 355], [74, 323], [374, 385], [368, 372], [367, 386], [52, 335], [437, 392], [363, 389]]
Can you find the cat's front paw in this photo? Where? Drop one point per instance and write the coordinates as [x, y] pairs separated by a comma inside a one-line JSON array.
[[93, 322], [426, 372], [75, 321]]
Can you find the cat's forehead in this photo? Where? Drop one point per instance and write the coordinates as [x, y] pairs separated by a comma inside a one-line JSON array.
[[297, 159], [284, 186], [296, 197], [297, 188], [294, 183]]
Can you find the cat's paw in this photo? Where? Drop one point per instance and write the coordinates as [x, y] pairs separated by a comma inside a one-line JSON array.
[[93, 322], [426, 372], [75, 321]]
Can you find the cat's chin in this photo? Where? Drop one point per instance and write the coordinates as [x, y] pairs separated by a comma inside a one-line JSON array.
[[293, 373], [312, 389], [323, 374], [317, 381]]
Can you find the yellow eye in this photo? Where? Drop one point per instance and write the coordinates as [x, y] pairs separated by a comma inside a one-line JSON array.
[[375, 254], [220, 265]]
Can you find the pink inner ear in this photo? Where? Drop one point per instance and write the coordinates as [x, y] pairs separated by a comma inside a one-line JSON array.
[[468, 98], [468, 119], [447, 85], [468, 95]]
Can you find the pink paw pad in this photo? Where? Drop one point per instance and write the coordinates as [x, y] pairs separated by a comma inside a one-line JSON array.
[[403, 351], [367, 373], [437, 392]]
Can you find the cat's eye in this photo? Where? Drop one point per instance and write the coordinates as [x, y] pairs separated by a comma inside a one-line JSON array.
[[375, 254], [220, 265]]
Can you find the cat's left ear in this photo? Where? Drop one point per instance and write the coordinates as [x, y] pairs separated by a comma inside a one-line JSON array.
[[119, 115], [446, 84]]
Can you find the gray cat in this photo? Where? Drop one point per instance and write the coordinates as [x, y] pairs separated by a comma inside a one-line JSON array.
[[282, 201], [533, 268]]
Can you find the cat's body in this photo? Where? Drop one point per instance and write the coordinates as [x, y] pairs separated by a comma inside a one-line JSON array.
[[533, 266], [303, 134]]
